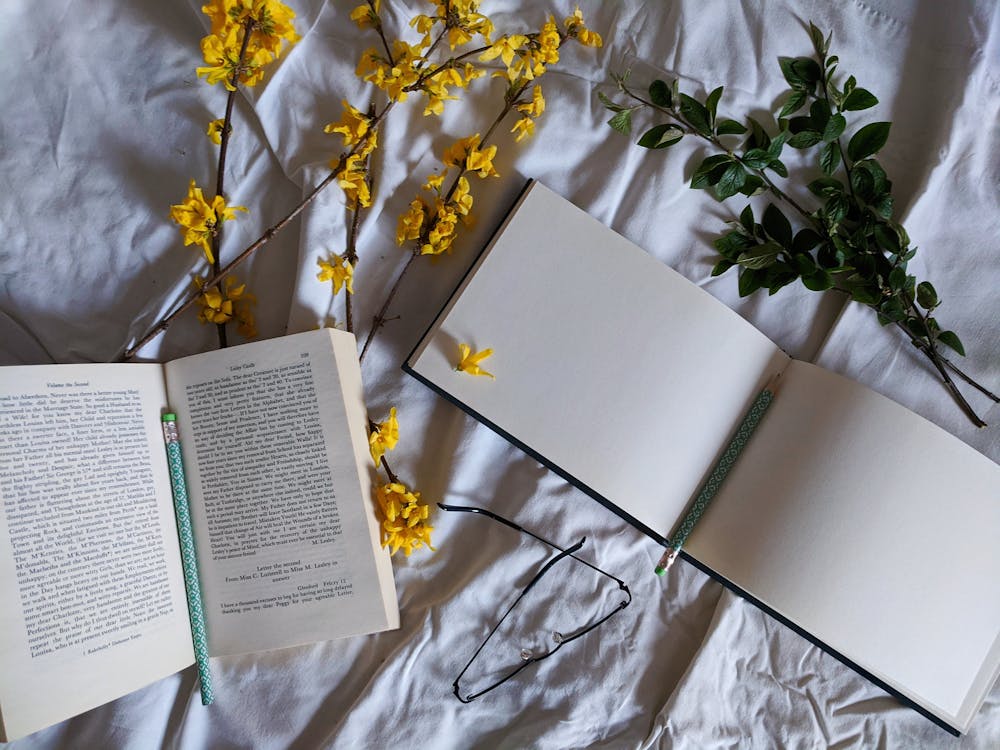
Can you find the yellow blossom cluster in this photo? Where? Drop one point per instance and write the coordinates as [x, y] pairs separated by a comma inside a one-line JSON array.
[[577, 29], [355, 127], [383, 437], [530, 110], [353, 180], [199, 220], [461, 18], [403, 518], [434, 224], [233, 302], [229, 54], [466, 154], [215, 130], [337, 270]]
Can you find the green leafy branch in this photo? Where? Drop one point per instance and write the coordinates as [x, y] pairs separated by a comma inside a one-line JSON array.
[[848, 241]]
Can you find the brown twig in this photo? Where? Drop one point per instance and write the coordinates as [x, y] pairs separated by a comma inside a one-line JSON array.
[[380, 317], [220, 175]]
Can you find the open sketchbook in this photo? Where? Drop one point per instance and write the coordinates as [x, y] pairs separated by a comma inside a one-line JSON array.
[[859, 524], [273, 439]]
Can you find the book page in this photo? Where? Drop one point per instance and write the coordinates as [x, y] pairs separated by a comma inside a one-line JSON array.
[[283, 520], [611, 368], [94, 603], [872, 529]]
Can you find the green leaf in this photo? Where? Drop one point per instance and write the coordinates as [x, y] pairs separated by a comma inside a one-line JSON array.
[[761, 256], [829, 158], [710, 171], [721, 267], [659, 94], [883, 206], [758, 136], [746, 218], [863, 184], [805, 240], [798, 124], [750, 281], [608, 103], [731, 181], [859, 99], [804, 264], [897, 278], [817, 39], [886, 239], [777, 225], [778, 167], [837, 207], [753, 186], [949, 339], [825, 186], [926, 295], [800, 72], [834, 127], [622, 122], [661, 136], [696, 114], [819, 113], [805, 139], [850, 84], [731, 244], [756, 158], [730, 127], [868, 140], [712, 103], [794, 103], [819, 281]]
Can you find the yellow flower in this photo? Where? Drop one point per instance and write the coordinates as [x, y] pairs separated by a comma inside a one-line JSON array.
[[537, 104], [364, 16], [524, 128], [505, 48], [271, 29], [575, 27], [340, 272], [403, 518], [470, 360], [215, 131], [355, 127], [384, 437], [465, 153], [548, 42], [442, 231], [481, 162], [199, 220], [221, 306], [422, 23], [411, 222], [461, 199], [434, 181], [352, 180]]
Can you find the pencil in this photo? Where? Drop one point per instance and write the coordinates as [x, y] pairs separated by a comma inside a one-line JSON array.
[[708, 491], [178, 486]]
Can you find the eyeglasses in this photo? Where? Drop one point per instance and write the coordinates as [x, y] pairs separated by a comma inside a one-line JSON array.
[[530, 657]]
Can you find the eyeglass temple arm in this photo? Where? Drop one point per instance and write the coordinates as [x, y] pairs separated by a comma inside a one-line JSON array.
[[500, 519]]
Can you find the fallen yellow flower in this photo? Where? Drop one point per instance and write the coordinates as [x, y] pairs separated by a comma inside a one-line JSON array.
[[469, 362]]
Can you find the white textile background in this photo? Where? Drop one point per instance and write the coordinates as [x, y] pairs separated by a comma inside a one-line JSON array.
[[102, 126]]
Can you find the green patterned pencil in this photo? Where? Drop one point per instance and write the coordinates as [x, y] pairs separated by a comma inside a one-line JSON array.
[[718, 475], [178, 485]]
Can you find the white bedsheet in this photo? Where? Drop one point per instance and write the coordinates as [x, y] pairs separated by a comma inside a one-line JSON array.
[[102, 126]]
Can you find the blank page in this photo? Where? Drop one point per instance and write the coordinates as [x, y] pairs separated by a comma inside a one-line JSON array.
[[610, 367], [872, 529]]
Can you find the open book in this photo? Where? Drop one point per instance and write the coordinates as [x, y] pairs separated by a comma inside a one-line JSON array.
[[274, 443], [864, 527]]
